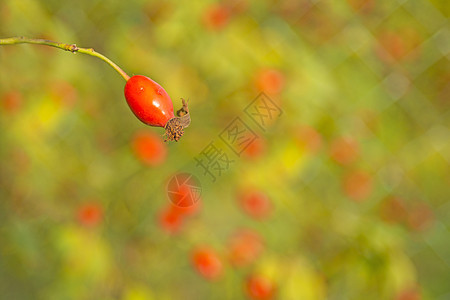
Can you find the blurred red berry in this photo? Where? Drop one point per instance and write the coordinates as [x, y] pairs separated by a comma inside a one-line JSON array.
[[149, 148], [216, 16], [90, 214], [245, 246], [255, 149], [270, 81], [187, 211], [393, 44], [308, 138], [256, 204], [397, 45], [260, 288], [411, 293], [357, 185], [170, 219], [183, 203], [184, 190], [11, 102], [420, 217], [344, 150], [207, 263]]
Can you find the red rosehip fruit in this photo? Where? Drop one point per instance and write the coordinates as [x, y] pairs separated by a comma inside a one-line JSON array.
[[188, 211], [245, 247], [11, 102], [344, 150], [151, 104], [216, 16], [420, 217], [411, 293], [149, 101], [149, 148], [256, 204], [357, 185], [183, 190], [270, 81], [260, 288], [90, 214], [255, 149], [170, 220], [207, 263]]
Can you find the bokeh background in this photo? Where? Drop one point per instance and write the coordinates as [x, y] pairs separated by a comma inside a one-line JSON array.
[[345, 195]]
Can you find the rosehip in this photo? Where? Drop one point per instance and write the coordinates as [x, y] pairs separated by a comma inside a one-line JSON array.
[[255, 149], [256, 204], [260, 288], [183, 190], [207, 263], [411, 293], [173, 217], [217, 16], [357, 185], [90, 214], [270, 81], [151, 104], [170, 220], [344, 150], [149, 148], [11, 101], [245, 246], [188, 211], [420, 217]]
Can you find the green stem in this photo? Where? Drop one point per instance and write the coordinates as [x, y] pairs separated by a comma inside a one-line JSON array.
[[68, 47]]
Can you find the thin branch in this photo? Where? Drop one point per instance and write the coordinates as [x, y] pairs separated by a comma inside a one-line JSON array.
[[67, 47]]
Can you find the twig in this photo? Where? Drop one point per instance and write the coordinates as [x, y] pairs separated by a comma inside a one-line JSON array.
[[67, 47]]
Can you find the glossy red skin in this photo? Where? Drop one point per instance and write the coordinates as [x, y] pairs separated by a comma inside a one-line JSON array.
[[149, 102]]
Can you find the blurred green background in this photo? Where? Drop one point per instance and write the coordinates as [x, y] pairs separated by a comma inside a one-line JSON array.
[[345, 195]]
